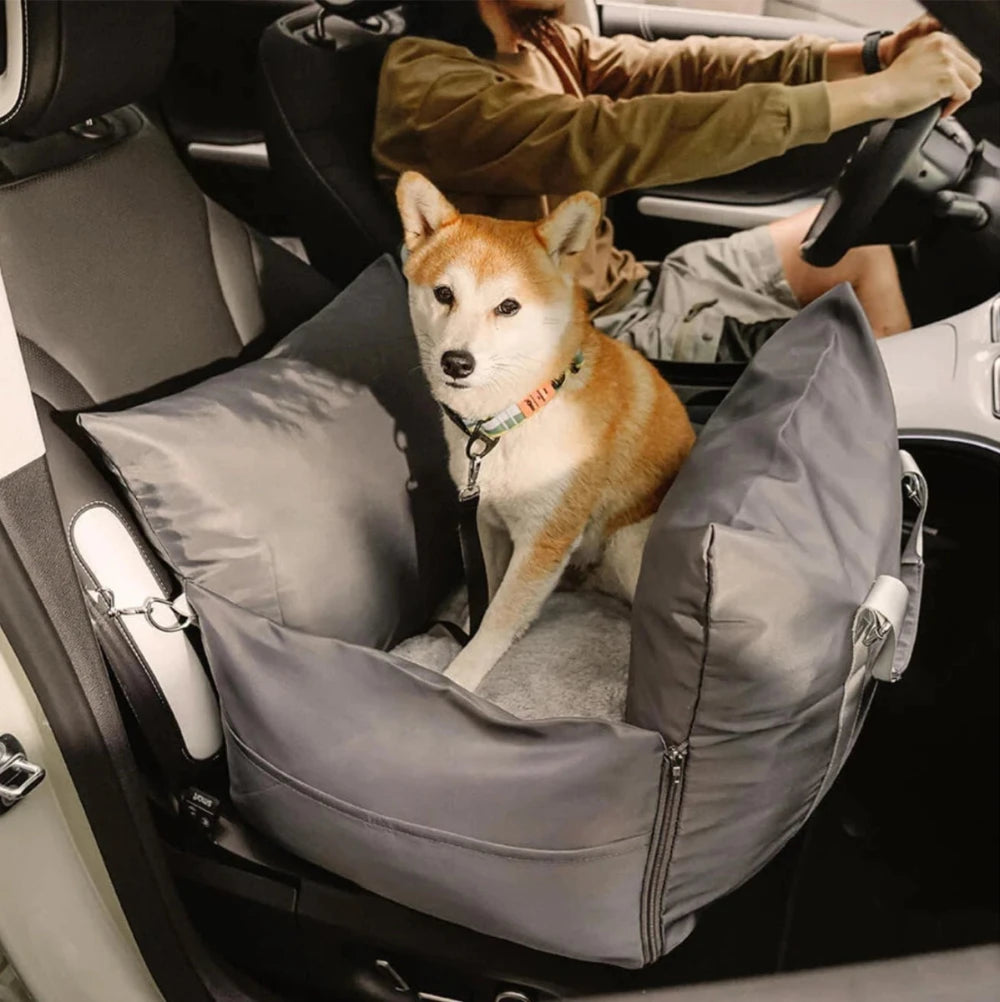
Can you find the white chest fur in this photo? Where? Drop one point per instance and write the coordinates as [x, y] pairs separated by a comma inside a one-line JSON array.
[[531, 467]]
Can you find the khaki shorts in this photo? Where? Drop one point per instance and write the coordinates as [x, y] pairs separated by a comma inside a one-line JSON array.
[[712, 300]]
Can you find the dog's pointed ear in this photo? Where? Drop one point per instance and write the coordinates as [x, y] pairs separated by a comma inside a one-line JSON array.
[[422, 208], [568, 229]]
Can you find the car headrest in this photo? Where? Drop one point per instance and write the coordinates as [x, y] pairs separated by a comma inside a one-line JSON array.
[[68, 61]]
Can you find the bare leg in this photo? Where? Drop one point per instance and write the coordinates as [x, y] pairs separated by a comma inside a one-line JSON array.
[[871, 271]]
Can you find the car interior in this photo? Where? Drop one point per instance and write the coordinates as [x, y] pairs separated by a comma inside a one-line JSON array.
[[185, 183]]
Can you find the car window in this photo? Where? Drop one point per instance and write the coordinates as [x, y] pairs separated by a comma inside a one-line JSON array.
[[863, 13]]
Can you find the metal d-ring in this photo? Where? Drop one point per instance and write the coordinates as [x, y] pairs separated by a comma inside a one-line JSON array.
[[183, 619]]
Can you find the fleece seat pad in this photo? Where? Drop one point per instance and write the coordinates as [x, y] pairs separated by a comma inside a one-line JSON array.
[[572, 662], [310, 485]]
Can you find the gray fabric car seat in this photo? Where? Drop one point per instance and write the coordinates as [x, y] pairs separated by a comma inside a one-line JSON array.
[[319, 79], [121, 277]]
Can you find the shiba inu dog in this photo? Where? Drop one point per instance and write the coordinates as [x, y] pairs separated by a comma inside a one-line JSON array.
[[584, 437]]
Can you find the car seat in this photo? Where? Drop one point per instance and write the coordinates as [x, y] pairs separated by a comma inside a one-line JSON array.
[[318, 83]]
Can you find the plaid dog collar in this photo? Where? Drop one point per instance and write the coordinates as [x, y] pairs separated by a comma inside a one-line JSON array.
[[510, 417]]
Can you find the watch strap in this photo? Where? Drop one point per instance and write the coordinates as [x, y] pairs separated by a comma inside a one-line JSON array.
[[869, 51]]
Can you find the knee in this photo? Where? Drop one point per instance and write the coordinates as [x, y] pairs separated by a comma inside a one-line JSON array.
[[868, 265]]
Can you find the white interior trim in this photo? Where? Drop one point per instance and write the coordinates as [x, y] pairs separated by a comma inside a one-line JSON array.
[[729, 214], [61, 923], [683, 21], [20, 436], [238, 154], [942, 378]]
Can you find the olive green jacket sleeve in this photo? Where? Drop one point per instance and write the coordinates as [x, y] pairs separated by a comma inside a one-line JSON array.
[[627, 66], [471, 128]]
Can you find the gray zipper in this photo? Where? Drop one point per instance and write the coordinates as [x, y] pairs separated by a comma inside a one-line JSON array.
[[664, 834]]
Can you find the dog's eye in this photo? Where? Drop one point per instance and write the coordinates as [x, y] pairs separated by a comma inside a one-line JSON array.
[[444, 295], [508, 308]]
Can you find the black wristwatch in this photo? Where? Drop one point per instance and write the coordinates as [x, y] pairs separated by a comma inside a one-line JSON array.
[[869, 51]]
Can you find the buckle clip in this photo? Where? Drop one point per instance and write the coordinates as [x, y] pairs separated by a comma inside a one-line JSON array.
[[183, 615], [477, 448]]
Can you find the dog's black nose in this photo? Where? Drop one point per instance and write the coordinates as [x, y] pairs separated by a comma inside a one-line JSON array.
[[457, 364]]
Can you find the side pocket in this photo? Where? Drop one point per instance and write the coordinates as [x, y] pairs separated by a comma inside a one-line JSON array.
[[661, 849]]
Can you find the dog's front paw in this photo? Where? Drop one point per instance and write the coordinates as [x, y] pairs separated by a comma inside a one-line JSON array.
[[471, 666]]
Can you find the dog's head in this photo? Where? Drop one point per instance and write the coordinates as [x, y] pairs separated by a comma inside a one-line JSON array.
[[493, 302]]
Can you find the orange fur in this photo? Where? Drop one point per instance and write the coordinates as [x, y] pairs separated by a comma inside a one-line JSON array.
[[639, 454]]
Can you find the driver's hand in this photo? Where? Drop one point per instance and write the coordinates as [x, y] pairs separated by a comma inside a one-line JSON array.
[[926, 68], [890, 47]]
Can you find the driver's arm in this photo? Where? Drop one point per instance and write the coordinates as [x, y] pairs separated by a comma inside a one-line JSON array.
[[472, 129], [626, 66], [920, 63]]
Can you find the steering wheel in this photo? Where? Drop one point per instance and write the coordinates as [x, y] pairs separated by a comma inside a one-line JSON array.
[[866, 182]]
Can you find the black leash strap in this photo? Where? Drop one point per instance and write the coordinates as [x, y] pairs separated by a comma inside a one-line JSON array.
[[478, 446], [472, 558]]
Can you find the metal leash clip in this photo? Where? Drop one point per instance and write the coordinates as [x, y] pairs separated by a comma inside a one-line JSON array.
[[182, 613], [478, 446]]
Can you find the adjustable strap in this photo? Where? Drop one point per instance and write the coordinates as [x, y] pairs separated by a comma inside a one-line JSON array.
[[911, 560], [142, 634], [885, 624]]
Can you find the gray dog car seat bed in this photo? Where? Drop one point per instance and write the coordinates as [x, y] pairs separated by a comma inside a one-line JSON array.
[[303, 499]]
